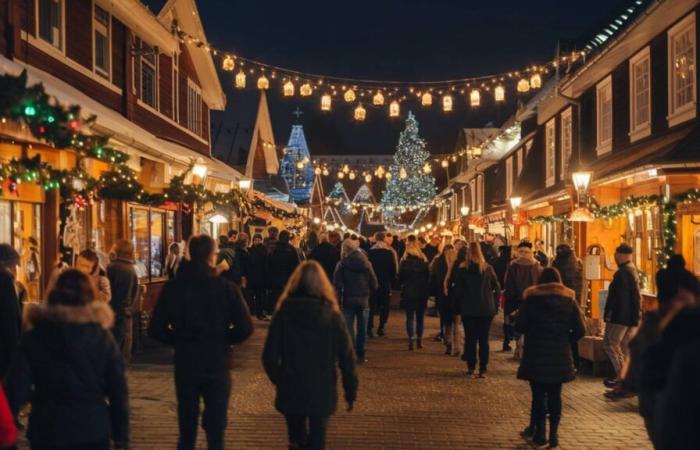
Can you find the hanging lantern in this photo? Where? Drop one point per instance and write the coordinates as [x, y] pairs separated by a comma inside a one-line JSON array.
[[360, 113], [228, 64], [427, 168], [368, 178], [354, 211], [379, 172], [240, 80], [523, 85], [263, 82], [499, 94], [352, 175], [305, 90], [388, 176], [325, 172], [317, 171], [536, 81], [349, 96], [378, 99], [426, 99], [394, 109], [444, 164], [447, 103], [288, 89], [402, 173], [346, 168], [341, 175], [474, 98], [325, 102]]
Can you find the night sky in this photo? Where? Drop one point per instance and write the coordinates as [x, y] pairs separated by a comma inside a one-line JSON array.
[[385, 39]]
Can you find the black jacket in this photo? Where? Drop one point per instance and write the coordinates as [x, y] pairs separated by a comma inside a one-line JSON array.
[[257, 265], [124, 284], [281, 264], [430, 251], [414, 277], [69, 367], [10, 320], [229, 253], [476, 292], [549, 317], [306, 340], [201, 315], [571, 271], [328, 256], [542, 258], [384, 263], [354, 279], [624, 303], [522, 273]]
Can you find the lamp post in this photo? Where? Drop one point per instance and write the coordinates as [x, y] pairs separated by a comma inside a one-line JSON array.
[[581, 180]]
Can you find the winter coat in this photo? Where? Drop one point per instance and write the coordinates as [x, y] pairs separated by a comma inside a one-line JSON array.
[[430, 251], [522, 273], [354, 279], [270, 244], [488, 251], [384, 263], [476, 293], [104, 289], [414, 278], [550, 318], [229, 253], [438, 272], [8, 430], [281, 264], [327, 256], [571, 271], [124, 284], [70, 368], [201, 315], [257, 264], [306, 340], [10, 320], [624, 303], [542, 258]]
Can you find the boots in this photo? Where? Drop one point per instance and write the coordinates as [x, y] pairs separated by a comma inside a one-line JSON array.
[[553, 432], [419, 343], [538, 438], [410, 345]]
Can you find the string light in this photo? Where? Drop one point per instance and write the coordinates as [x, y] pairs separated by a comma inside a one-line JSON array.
[[394, 109], [523, 85], [341, 175], [240, 80], [499, 93], [536, 81], [444, 164], [378, 99], [263, 83], [325, 172], [228, 64], [474, 98], [349, 96], [326, 102], [447, 103], [305, 90], [352, 175], [368, 178], [426, 99], [360, 113], [289, 89]]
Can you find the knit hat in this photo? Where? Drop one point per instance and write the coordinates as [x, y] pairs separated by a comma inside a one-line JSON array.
[[8, 255], [257, 236], [525, 244], [624, 249]]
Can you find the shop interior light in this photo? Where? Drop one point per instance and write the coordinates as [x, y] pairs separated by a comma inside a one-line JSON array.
[[218, 219]]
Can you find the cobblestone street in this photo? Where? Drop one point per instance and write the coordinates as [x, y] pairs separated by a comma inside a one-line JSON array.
[[417, 400]]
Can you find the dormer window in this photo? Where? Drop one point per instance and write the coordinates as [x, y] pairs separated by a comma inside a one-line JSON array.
[[148, 76], [102, 41], [681, 71], [51, 22]]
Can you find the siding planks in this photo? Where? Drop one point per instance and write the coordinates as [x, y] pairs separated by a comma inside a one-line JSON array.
[[79, 32]]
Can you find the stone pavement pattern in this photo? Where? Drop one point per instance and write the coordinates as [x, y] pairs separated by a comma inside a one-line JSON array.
[[407, 400]]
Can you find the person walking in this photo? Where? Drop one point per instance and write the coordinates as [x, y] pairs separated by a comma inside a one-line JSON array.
[[539, 254], [89, 263], [438, 273], [125, 287], [257, 265], [172, 260], [10, 308], [307, 339], [571, 270], [432, 249], [227, 261], [271, 240], [549, 317], [71, 370], [280, 265], [354, 279], [243, 261], [453, 336], [476, 290], [201, 315], [522, 273], [327, 253], [413, 277], [622, 312], [386, 266]]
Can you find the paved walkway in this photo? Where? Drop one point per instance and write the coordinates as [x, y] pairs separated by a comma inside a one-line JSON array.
[[407, 400]]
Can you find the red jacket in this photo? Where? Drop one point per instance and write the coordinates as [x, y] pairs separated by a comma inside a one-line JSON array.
[[8, 431]]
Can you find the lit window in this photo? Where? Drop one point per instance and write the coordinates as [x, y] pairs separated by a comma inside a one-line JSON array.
[[148, 76], [509, 177], [194, 107], [640, 95], [51, 22], [520, 161], [550, 146], [604, 117], [102, 46], [566, 143], [682, 88]]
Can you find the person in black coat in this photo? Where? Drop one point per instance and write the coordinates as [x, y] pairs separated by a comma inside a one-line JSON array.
[[432, 249], [414, 279], [10, 310], [327, 253], [386, 266], [67, 365], [281, 262], [201, 315], [125, 286], [549, 317], [257, 264], [476, 290], [306, 340], [571, 270], [438, 273]]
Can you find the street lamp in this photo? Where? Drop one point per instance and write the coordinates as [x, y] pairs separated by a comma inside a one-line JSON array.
[[244, 184], [317, 221], [464, 210], [582, 180], [515, 203], [199, 170]]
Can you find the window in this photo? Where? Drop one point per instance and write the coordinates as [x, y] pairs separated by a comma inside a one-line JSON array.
[[520, 161], [479, 193], [194, 107], [566, 142], [604, 117], [681, 68], [640, 95], [472, 195], [176, 88], [509, 177], [102, 41], [148, 77], [21, 227], [550, 147], [152, 231], [51, 22]]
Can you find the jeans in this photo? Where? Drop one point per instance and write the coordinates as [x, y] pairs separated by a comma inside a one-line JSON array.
[[359, 335], [381, 300], [415, 314], [215, 390], [546, 398], [476, 331], [616, 344], [259, 301], [306, 432]]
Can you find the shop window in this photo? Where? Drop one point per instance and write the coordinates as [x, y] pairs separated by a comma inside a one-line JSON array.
[[681, 71], [640, 95], [102, 41], [20, 225], [152, 230], [604, 117], [51, 22]]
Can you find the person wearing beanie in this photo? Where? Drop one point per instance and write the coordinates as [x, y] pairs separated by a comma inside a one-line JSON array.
[[281, 263], [622, 311], [10, 311]]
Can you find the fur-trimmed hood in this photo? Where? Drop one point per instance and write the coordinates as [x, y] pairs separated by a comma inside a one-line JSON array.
[[96, 312], [549, 289], [526, 257]]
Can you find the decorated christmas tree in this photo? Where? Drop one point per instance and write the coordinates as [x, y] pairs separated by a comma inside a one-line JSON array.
[[339, 198], [409, 187]]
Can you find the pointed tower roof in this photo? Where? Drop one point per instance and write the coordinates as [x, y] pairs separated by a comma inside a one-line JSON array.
[[262, 156], [364, 195], [300, 179]]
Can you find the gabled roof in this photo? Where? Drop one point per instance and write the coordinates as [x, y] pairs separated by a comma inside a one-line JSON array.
[[187, 16], [262, 145]]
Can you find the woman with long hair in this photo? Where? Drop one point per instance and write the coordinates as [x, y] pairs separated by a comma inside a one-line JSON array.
[[548, 317], [413, 276], [307, 338], [89, 263], [476, 290], [454, 339]]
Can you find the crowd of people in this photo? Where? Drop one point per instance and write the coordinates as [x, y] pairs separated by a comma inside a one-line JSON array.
[[324, 296]]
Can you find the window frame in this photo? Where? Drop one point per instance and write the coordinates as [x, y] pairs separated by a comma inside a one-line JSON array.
[[176, 87], [521, 162], [566, 152], [550, 152], [194, 105], [62, 36], [678, 114], [108, 35], [153, 65], [164, 233], [603, 146], [509, 176], [639, 130]]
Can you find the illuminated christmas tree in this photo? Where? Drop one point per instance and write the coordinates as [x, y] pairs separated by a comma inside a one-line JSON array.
[[410, 187]]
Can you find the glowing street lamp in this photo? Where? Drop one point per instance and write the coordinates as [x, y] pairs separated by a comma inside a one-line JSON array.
[[244, 184], [515, 203], [581, 181], [464, 210]]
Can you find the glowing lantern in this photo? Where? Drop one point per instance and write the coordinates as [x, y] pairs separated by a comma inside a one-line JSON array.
[[352, 175], [346, 168], [368, 178], [499, 94], [447, 103], [523, 85], [341, 175], [388, 176], [349, 96], [444, 163], [474, 97], [240, 80], [263, 82], [305, 90], [228, 64], [379, 172], [394, 109], [378, 99], [402, 173], [325, 102], [288, 89], [427, 168], [360, 113], [325, 172], [426, 99], [317, 171], [536, 81]]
